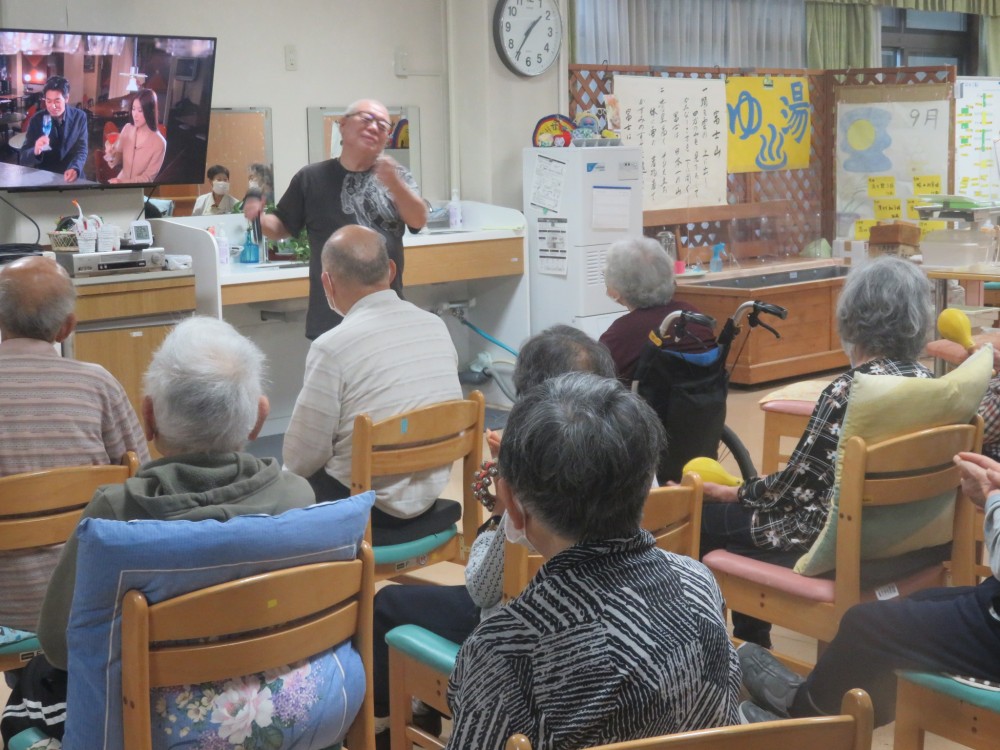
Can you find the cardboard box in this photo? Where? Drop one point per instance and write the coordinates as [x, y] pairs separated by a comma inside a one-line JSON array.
[[898, 233]]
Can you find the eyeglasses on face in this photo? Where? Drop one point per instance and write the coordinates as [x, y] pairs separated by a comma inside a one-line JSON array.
[[367, 118]]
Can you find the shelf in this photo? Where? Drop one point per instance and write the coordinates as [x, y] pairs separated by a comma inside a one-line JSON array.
[[696, 215]]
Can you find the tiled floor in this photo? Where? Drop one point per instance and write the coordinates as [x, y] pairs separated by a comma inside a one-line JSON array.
[[746, 419]]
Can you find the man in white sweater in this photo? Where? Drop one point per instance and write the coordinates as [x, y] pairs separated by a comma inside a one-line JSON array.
[[387, 357]]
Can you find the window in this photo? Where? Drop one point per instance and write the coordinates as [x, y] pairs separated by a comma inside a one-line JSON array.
[[913, 38]]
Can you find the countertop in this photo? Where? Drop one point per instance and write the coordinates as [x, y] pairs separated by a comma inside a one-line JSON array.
[[118, 278], [248, 273], [752, 267]]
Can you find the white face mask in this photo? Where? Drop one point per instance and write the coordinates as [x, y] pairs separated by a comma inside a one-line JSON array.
[[220, 187], [514, 535]]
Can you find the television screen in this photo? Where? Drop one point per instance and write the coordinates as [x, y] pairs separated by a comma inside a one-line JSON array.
[[89, 110]]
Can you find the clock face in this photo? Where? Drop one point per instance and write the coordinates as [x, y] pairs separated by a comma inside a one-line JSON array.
[[527, 34]]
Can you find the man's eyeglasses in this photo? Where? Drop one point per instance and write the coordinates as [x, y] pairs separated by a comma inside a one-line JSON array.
[[367, 118]]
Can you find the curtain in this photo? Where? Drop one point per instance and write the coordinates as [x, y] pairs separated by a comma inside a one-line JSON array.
[[989, 46], [843, 35], [690, 33], [975, 7]]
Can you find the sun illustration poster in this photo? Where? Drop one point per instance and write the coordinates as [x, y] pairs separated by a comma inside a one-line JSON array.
[[887, 153], [769, 123]]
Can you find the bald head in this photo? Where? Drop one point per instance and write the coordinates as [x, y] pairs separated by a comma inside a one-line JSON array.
[[357, 256], [36, 300]]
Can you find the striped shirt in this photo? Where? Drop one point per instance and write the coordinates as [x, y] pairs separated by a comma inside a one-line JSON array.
[[54, 412], [387, 357], [611, 641]]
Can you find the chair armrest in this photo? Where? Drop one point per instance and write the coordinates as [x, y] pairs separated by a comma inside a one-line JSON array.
[[426, 647]]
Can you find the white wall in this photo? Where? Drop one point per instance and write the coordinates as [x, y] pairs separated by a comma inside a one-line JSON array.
[[346, 51]]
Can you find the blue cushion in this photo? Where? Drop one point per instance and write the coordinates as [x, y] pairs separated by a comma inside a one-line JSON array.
[[14, 641], [426, 647], [988, 699], [164, 559], [388, 554]]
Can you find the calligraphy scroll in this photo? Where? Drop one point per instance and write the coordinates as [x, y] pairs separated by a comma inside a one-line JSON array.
[[680, 125]]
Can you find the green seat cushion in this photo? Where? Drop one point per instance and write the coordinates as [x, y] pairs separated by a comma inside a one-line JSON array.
[[426, 647], [982, 697], [992, 285], [389, 554], [14, 641]]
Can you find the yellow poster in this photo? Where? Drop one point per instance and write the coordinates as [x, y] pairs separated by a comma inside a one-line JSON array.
[[769, 123]]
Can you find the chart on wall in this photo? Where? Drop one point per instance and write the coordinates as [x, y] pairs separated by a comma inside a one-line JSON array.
[[769, 123], [977, 139], [893, 143], [680, 126]]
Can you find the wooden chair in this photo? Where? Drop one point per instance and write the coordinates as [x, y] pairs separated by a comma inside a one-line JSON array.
[[896, 472], [420, 662], [246, 626], [850, 730], [671, 514], [928, 702], [418, 440], [42, 508]]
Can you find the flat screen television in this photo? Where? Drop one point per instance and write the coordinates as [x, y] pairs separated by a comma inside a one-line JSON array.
[[118, 83]]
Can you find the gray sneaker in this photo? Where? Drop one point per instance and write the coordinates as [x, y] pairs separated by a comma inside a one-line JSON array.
[[770, 683], [751, 713]]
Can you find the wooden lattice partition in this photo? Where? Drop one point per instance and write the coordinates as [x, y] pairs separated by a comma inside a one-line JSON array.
[[767, 212]]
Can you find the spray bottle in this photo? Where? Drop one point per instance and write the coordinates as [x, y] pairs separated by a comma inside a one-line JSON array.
[[717, 252]]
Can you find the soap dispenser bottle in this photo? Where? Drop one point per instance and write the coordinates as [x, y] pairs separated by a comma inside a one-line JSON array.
[[454, 211], [717, 252]]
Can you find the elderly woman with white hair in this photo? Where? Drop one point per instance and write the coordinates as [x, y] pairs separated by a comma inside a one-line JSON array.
[[639, 275], [204, 399], [884, 319]]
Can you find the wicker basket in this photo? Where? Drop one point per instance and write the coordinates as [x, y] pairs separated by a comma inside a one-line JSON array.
[[64, 241]]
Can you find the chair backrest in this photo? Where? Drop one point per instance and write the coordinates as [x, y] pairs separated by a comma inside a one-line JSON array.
[[423, 439], [850, 730], [970, 558], [898, 471], [671, 514], [249, 625], [39, 508]]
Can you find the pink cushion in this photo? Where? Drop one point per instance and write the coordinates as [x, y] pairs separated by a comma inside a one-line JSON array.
[[766, 574], [784, 406]]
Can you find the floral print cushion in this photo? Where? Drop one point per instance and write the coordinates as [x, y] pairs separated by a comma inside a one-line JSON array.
[[303, 706]]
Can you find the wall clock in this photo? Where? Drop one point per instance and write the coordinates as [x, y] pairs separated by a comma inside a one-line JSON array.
[[527, 34]]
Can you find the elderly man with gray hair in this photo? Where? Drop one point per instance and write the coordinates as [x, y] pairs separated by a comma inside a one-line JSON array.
[[54, 412], [387, 357], [204, 399], [639, 275], [363, 185]]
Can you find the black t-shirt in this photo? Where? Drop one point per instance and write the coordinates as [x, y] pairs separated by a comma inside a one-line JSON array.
[[325, 197]]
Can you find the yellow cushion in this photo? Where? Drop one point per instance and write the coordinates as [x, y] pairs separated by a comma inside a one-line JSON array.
[[881, 407]]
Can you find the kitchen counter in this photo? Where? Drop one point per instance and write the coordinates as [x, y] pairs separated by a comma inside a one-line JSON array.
[[429, 259]]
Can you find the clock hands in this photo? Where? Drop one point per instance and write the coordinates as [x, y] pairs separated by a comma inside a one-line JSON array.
[[526, 35]]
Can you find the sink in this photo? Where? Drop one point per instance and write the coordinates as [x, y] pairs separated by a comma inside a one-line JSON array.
[[783, 278]]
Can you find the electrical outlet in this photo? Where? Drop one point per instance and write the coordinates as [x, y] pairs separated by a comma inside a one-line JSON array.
[[291, 57]]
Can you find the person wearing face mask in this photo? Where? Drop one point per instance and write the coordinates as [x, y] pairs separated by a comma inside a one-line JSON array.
[[387, 357], [361, 186], [218, 201], [453, 612], [884, 319], [613, 639], [64, 149]]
